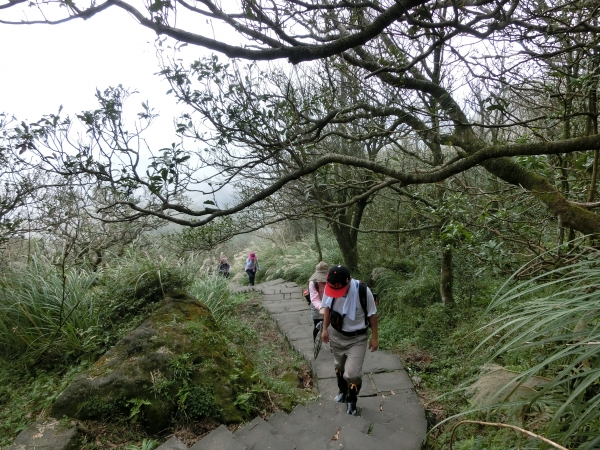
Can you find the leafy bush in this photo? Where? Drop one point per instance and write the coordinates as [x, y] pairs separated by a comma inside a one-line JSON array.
[[200, 402], [398, 290]]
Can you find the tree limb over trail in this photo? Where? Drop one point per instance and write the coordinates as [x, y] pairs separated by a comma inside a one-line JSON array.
[[156, 19], [409, 92]]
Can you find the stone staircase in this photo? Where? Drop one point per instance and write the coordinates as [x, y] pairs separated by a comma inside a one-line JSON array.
[[390, 414]]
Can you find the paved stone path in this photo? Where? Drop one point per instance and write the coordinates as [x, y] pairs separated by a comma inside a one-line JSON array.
[[390, 414]]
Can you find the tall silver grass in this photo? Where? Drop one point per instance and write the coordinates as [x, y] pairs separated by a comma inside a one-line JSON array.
[[39, 311], [213, 291], [555, 317]]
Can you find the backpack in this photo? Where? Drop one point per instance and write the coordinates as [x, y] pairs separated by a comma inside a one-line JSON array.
[[306, 292], [362, 296]]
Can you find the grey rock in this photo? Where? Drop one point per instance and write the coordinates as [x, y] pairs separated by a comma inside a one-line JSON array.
[[173, 444], [219, 439], [47, 435], [126, 373], [259, 435]]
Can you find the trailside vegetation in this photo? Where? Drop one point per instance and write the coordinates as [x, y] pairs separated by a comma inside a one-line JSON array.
[[57, 319]]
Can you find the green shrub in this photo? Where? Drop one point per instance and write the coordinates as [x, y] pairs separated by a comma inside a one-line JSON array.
[[200, 403], [434, 326], [398, 290]]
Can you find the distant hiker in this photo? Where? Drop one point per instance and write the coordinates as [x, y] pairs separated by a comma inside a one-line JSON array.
[[316, 290], [349, 310], [223, 267], [251, 267]]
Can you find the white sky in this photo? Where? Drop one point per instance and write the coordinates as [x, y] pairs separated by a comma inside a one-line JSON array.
[[45, 66]]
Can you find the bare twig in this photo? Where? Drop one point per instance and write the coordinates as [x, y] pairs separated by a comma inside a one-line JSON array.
[[505, 425]]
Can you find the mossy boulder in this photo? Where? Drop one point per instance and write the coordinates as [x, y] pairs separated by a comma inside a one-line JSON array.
[[175, 364]]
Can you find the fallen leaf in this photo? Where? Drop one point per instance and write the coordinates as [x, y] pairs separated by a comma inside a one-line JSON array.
[[336, 435]]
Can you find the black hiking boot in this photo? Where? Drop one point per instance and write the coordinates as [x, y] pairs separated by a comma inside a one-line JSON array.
[[343, 387], [352, 398], [351, 409], [340, 398]]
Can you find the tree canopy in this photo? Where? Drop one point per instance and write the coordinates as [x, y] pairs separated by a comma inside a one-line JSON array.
[[405, 92]]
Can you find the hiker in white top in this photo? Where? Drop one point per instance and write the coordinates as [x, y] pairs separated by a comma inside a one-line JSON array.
[[346, 324]]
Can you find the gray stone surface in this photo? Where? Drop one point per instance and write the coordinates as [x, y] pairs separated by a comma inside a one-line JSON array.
[[295, 334], [388, 405], [173, 444], [47, 435], [381, 361], [404, 396], [403, 440], [305, 433], [352, 439], [219, 439], [259, 435], [392, 381]]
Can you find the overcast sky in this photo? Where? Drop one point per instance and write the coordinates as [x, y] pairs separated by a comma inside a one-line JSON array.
[[45, 66]]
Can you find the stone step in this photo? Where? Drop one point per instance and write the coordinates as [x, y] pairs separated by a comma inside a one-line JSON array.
[[349, 438], [173, 444], [387, 418], [306, 435], [259, 435], [390, 414], [219, 439]]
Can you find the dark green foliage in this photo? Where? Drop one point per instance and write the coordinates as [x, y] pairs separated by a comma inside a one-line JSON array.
[[100, 409], [200, 402], [435, 326], [401, 264], [26, 394], [398, 289]]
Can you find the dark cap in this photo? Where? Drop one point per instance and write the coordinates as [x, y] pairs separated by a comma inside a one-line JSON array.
[[338, 278]]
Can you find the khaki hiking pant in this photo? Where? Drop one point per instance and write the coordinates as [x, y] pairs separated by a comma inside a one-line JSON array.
[[349, 355]]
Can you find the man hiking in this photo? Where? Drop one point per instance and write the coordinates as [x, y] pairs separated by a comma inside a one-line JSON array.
[[346, 322]]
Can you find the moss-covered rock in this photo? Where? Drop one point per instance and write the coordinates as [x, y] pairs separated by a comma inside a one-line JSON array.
[[176, 362]]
